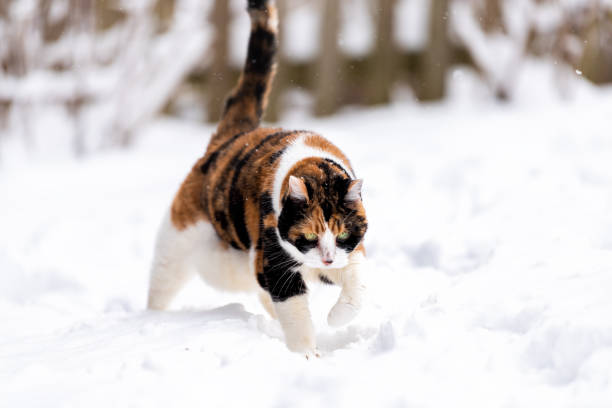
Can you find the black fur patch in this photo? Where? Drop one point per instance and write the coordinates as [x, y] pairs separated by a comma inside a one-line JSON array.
[[292, 213], [280, 269], [229, 102], [304, 245], [325, 279], [350, 243], [262, 48], [327, 208], [257, 4], [236, 212], [215, 155], [274, 156], [221, 219], [265, 204], [260, 90], [236, 203], [261, 279], [357, 227], [309, 188], [211, 159], [325, 167], [339, 167], [285, 285], [220, 189], [270, 239]]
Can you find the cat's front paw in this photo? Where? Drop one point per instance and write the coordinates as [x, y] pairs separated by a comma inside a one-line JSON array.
[[306, 347], [343, 312], [303, 343]]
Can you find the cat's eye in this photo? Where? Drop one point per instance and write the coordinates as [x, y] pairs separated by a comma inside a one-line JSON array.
[[343, 235], [310, 236]]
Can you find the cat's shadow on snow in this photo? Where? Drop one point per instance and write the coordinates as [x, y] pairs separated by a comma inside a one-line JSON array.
[[343, 338], [328, 341], [230, 311]]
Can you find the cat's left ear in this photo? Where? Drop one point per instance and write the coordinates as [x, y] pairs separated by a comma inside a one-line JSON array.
[[353, 193], [297, 189]]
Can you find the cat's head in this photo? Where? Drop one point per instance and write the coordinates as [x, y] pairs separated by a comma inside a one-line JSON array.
[[322, 219]]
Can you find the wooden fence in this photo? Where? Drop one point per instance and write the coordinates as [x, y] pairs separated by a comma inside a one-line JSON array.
[[336, 79], [128, 43]]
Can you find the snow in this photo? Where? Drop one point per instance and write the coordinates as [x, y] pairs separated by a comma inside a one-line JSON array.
[[490, 252]]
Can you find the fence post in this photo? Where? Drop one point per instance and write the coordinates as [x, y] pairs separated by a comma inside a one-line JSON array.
[[436, 55], [328, 75], [219, 82], [382, 61]]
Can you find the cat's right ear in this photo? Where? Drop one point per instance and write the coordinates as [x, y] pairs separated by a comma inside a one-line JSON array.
[[297, 189], [354, 191]]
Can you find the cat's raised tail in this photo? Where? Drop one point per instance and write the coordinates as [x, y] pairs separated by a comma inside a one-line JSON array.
[[247, 102]]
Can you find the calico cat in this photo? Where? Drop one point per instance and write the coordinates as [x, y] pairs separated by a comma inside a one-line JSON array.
[[266, 210]]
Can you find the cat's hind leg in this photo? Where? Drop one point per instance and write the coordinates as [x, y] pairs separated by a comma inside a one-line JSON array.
[[170, 270]]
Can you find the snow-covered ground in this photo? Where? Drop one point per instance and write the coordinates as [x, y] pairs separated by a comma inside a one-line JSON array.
[[490, 249]]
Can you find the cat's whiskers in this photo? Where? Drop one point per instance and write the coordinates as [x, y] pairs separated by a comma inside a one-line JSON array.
[[287, 279], [288, 273]]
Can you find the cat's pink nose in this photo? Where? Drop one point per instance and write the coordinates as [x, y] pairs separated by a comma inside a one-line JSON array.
[[328, 261]]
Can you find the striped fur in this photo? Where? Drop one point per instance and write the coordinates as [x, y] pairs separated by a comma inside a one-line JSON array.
[[240, 192]]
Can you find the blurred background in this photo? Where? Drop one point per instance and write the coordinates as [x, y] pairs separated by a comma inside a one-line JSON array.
[[481, 129], [94, 71]]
